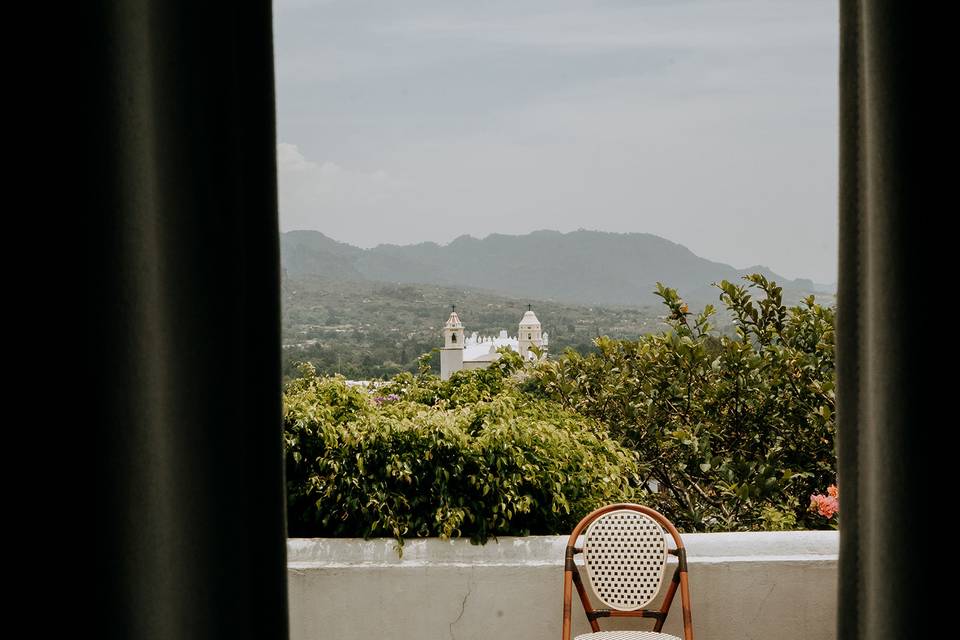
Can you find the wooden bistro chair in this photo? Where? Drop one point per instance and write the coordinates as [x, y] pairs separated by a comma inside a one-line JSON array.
[[625, 550]]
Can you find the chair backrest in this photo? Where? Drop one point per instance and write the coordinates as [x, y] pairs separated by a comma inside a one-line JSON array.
[[625, 552]]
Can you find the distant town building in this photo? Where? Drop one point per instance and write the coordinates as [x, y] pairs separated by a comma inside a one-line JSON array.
[[477, 352]]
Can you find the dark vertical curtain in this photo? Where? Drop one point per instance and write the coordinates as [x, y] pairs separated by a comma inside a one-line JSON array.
[[894, 331], [184, 319]]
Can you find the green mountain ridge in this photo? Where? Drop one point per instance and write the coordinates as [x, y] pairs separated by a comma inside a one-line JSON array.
[[581, 267]]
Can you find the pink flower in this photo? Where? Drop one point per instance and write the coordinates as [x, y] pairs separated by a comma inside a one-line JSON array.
[[826, 505]]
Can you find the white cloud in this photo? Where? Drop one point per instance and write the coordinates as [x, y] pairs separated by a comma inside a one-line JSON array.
[[310, 192], [290, 160]]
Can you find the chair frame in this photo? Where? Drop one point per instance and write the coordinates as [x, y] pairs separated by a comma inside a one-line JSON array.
[[571, 577]]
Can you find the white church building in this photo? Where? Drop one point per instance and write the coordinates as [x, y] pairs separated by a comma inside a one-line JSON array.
[[477, 352]]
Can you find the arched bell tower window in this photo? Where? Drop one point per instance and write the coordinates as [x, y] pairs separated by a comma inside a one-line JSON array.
[[453, 338]]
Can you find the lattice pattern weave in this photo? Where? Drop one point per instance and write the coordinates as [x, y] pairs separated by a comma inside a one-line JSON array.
[[626, 635], [625, 553]]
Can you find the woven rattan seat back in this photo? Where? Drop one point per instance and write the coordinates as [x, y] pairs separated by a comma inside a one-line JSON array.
[[625, 554]]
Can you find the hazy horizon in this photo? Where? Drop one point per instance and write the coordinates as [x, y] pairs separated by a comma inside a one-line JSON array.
[[710, 124]]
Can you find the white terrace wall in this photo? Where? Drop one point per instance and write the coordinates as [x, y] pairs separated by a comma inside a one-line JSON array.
[[779, 585]]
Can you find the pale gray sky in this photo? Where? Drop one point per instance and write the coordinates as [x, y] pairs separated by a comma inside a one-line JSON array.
[[711, 123]]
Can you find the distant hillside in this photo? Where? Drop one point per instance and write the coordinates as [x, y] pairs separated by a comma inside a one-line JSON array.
[[367, 329], [584, 267]]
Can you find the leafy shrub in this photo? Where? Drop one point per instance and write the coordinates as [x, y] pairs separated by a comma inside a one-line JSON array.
[[736, 432], [471, 456]]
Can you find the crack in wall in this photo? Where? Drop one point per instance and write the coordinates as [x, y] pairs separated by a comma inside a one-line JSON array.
[[463, 607]]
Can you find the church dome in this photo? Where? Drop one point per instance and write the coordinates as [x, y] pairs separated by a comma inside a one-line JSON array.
[[530, 318], [453, 322]]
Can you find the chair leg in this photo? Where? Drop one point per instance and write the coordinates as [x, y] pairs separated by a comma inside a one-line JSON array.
[[685, 602], [567, 602], [668, 600], [584, 600]]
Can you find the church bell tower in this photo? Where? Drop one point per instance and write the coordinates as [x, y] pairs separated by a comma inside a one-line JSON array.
[[530, 334], [451, 355]]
